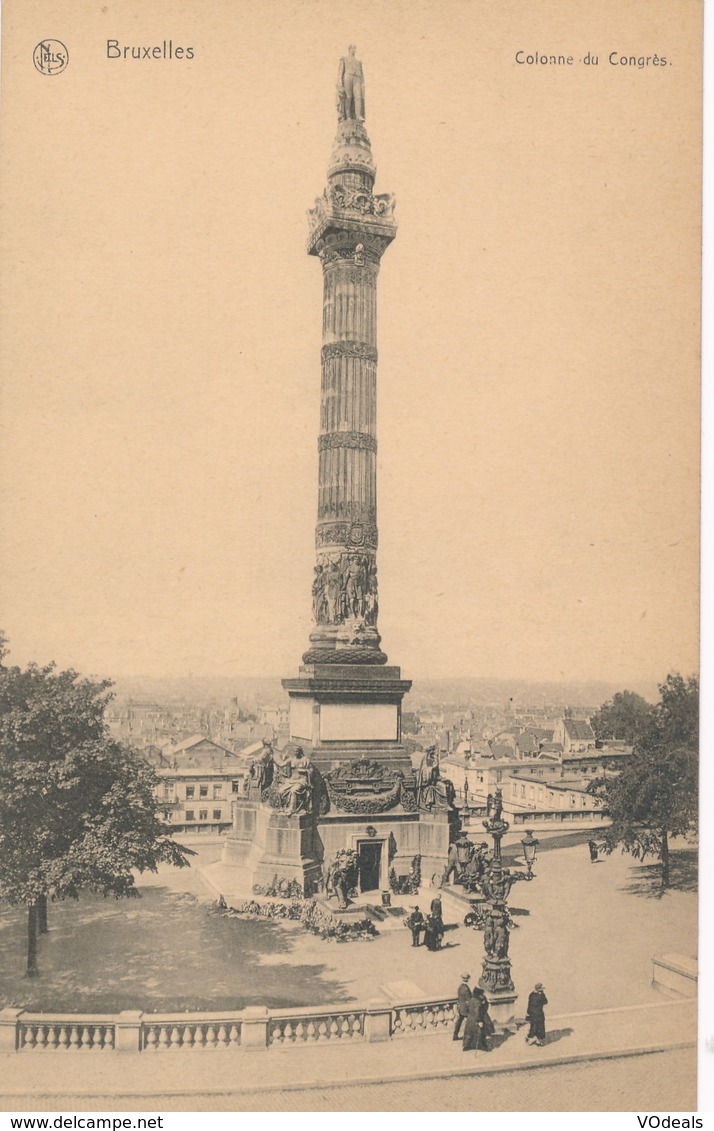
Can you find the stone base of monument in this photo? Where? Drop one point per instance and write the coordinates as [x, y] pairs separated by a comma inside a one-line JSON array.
[[274, 847]]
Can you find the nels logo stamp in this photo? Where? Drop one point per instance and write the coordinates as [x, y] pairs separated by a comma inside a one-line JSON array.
[[50, 57]]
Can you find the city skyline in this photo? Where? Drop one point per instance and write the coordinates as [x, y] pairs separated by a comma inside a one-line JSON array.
[[537, 463]]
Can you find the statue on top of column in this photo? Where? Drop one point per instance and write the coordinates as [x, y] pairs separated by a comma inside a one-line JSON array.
[[350, 88]]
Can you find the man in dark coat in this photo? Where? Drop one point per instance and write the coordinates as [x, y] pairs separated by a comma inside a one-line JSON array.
[[416, 924], [535, 1015], [463, 997]]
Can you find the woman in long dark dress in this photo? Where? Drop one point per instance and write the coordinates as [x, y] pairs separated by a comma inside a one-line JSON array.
[[479, 1026], [431, 933], [536, 1016], [472, 1029]]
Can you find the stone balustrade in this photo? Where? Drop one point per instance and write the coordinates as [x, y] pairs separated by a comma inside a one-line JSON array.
[[309, 1027], [36, 1032], [423, 1017], [249, 1029], [174, 1032]]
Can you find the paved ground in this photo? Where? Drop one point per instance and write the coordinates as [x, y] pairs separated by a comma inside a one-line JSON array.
[[407, 1074], [587, 931], [635, 1084]]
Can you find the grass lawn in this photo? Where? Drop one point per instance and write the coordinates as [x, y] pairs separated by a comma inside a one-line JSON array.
[[168, 950]]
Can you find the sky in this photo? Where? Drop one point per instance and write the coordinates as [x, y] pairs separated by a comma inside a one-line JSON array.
[[538, 379]]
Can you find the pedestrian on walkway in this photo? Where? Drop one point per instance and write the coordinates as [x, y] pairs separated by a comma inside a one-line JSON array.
[[463, 997], [535, 1015], [437, 912], [487, 1027], [416, 924], [432, 934], [593, 851], [479, 1026]]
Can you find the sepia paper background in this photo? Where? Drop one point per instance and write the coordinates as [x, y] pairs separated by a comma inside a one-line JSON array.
[[538, 410]]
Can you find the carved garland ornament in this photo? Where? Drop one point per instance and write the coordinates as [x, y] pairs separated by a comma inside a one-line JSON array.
[[364, 787], [345, 533], [349, 349], [358, 440]]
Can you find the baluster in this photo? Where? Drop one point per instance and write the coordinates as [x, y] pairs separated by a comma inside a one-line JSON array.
[[300, 1031], [163, 1038], [210, 1036], [43, 1035], [334, 1032], [345, 1028], [311, 1034], [322, 1031], [63, 1037], [234, 1035], [288, 1032], [189, 1036], [356, 1026], [150, 1038], [175, 1039], [222, 1035]]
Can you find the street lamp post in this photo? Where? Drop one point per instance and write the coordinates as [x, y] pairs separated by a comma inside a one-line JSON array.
[[530, 849]]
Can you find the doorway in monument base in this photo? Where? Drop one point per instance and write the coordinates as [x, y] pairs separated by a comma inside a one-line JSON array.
[[369, 853]]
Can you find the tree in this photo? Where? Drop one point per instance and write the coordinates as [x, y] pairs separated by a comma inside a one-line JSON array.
[[655, 797], [623, 717], [78, 811]]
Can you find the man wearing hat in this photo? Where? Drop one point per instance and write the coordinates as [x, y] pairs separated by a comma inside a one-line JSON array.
[[463, 997], [535, 1015], [416, 924]]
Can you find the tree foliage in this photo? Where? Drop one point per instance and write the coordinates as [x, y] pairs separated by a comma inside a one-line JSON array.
[[77, 809], [624, 717], [655, 796]]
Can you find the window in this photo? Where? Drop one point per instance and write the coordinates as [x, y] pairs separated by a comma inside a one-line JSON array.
[[203, 791], [203, 814], [189, 815], [217, 790], [235, 786], [190, 792], [499, 775], [167, 789], [523, 791], [216, 814]]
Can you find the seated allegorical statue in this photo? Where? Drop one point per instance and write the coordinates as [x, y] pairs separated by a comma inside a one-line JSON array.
[[434, 792], [296, 782]]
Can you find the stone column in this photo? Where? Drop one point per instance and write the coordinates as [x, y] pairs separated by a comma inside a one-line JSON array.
[[350, 228]]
